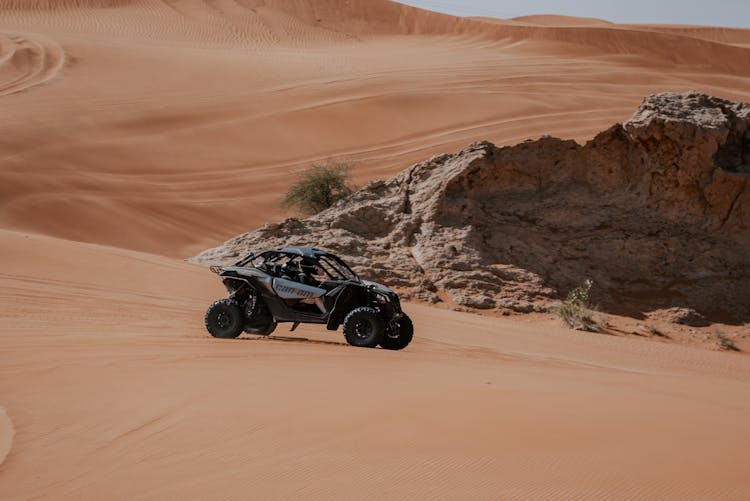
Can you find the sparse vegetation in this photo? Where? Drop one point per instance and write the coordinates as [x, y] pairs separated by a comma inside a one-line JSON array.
[[655, 331], [725, 343], [576, 310], [318, 188]]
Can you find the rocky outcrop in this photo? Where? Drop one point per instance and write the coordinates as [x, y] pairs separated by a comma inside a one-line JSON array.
[[656, 211], [681, 316]]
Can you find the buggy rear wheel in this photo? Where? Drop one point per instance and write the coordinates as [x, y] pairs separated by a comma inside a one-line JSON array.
[[363, 327], [398, 334], [224, 319]]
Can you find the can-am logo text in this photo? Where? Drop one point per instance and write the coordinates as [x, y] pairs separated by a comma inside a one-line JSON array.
[[293, 290]]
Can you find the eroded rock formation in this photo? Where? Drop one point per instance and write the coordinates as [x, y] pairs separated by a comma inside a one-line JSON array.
[[656, 211]]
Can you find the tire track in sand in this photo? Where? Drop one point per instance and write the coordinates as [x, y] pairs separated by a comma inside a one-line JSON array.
[[27, 60], [7, 432]]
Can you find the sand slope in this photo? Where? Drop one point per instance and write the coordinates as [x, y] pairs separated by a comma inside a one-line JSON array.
[[168, 126], [116, 391], [185, 121], [27, 60], [6, 435]]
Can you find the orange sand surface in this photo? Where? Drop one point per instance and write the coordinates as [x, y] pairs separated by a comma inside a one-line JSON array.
[[135, 133], [115, 391]]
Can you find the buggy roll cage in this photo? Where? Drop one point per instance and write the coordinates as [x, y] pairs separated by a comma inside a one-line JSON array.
[[333, 266]]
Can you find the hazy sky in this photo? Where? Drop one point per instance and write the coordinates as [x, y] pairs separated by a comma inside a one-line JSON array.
[[707, 12]]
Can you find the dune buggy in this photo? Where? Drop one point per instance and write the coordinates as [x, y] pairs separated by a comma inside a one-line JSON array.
[[306, 285]]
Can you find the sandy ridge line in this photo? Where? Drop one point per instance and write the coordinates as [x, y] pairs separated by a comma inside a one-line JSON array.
[[290, 23], [7, 432]]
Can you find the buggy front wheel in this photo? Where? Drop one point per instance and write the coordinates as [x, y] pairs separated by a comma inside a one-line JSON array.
[[363, 327], [398, 334], [224, 319]]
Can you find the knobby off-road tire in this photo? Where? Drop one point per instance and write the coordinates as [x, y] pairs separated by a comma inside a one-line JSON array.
[[398, 335], [364, 327], [224, 319]]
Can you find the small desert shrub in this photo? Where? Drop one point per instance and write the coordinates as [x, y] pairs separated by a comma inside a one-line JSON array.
[[725, 343], [318, 188], [655, 331], [582, 294], [576, 310]]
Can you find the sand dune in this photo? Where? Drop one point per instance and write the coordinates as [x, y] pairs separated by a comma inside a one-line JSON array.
[[115, 390], [557, 20], [135, 132], [184, 121], [6, 435], [733, 36]]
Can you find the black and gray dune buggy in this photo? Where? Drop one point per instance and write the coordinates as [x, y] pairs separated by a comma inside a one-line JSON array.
[[306, 285]]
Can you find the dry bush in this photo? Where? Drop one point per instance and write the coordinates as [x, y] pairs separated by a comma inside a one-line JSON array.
[[318, 188], [725, 343], [655, 331], [576, 310]]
